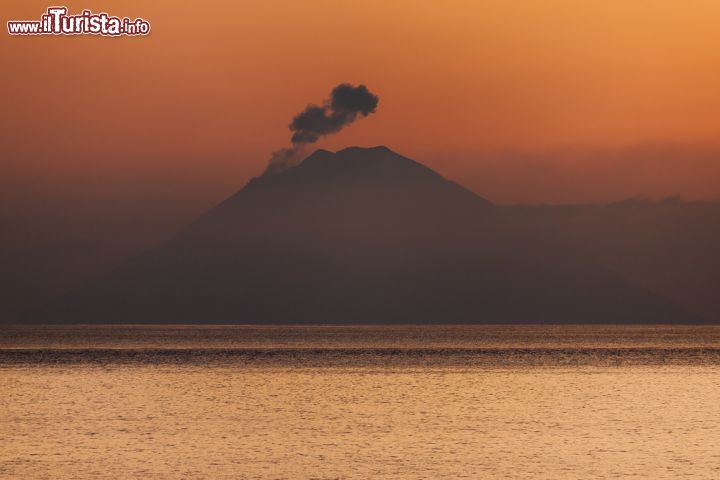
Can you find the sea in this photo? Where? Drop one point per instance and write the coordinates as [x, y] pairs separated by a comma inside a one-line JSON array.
[[359, 402]]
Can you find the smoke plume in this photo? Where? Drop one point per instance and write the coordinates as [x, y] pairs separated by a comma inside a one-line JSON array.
[[346, 103]]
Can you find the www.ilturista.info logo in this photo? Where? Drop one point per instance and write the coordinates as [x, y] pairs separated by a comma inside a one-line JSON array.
[[57, 22]]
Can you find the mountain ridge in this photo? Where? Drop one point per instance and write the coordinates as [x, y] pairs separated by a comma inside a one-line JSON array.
[[363, 235]]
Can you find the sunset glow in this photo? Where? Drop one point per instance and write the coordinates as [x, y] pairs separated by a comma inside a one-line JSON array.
[[480, 91]]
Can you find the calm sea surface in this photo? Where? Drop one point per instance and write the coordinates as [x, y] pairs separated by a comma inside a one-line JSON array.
[[360, 402]]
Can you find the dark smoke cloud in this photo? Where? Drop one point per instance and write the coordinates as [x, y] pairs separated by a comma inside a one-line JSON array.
[[346, 103]]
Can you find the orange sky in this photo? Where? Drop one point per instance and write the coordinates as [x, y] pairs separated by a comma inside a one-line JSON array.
[[539, 101]]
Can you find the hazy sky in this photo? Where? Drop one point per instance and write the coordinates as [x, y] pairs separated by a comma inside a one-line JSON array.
[[539, 101]]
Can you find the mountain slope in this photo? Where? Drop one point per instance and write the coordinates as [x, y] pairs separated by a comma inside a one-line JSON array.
[[361, 236]]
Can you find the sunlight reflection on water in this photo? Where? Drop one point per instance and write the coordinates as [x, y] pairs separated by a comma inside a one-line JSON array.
[[339, 402]]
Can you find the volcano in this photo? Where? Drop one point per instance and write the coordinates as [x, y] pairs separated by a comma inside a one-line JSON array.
[[367, 236]]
